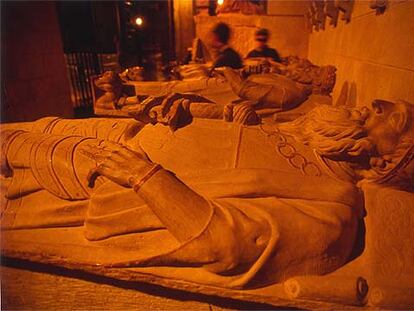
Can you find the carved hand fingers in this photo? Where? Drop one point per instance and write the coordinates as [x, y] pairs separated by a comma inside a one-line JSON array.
[[168, 102], [114, 161], [119, 152], [110, 170], [173, 112], [96, 153], [142, 110], [177, 113]]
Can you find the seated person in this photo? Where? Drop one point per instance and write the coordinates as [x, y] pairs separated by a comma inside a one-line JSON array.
[[226, 56], [262, 49]]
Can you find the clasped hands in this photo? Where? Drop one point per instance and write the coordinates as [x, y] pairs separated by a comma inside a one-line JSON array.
[[172, 110]]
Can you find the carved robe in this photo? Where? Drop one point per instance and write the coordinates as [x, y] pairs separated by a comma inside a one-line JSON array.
[[253, 177]]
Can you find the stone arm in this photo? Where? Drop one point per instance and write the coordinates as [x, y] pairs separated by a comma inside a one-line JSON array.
[[178, 109], [220, 239], [112, 129], [277, 92]]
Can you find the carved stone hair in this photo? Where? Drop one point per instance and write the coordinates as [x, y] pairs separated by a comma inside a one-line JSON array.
[[331, 131], [400, 172]]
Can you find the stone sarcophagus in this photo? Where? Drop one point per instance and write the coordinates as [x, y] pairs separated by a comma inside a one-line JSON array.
[[292, 214]]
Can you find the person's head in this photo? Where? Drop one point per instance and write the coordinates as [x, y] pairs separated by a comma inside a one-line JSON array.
[[261, 37], [220, 35]]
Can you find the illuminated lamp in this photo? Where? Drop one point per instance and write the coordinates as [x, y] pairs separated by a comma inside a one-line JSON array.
[[139, 21]]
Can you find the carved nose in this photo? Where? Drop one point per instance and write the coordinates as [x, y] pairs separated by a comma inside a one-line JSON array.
[[365, 113], [361, 114]]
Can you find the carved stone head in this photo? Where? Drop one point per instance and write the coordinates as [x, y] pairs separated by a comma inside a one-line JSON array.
[[377, 142], [322, 78], [388, 123], [109, 82], [390, 127]]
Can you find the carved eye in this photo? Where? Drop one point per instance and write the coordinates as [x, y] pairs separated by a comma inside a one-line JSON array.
[[376, 107], [381, 106]]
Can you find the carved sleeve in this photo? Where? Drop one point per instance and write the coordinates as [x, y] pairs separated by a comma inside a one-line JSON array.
[[220, 237]]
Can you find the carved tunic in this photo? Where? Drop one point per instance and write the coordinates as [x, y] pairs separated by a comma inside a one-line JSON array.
[[254, 179]]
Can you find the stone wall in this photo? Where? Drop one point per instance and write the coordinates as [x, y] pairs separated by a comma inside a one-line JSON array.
[[287, 7], [373, 53], [288, 32], [34, 78], [183, 27]]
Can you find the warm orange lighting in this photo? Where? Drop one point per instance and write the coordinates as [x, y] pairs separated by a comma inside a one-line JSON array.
[[139, 21], [220, 2]]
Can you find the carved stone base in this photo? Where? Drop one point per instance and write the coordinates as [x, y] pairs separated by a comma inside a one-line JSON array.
[[44, 290], [35, 286], [389, 276]]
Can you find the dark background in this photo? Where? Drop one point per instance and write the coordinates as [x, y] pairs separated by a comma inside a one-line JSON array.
[[51, 50]]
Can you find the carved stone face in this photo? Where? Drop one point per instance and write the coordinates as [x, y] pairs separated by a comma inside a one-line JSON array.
[[109, 82], [386, 122]]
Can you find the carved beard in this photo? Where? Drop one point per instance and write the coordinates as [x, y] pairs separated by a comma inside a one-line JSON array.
[[332, 132], [397, 169]]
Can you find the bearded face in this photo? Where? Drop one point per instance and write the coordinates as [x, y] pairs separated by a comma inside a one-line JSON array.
[[378, 139], [386, 124], [390, 127]]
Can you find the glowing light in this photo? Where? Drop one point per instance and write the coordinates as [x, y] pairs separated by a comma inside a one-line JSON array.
[[139, 21], [220, 2]]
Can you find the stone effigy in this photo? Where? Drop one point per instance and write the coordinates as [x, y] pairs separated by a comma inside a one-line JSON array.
[[321, 79], [261, 92], [265, 86], [220, 203]]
